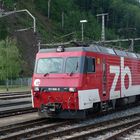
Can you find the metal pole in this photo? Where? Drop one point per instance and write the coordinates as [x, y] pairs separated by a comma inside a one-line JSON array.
[[103, 25], [7, 83], [119, 40], [34, 20], [39, 45], [19, 11], [103, 28], [49, 1], [62, 20], [82, 27], [132, 45], [15, 6]]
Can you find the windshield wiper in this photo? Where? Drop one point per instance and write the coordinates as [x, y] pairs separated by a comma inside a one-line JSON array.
[[46, 74], [74, 69], [50, 72]]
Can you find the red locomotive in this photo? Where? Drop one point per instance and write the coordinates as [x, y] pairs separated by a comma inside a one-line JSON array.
[[68, 82]]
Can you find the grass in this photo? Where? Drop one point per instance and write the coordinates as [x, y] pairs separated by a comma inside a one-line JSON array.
[[14, 89]]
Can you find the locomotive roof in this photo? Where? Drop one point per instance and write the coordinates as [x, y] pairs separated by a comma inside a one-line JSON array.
[[95, 48]]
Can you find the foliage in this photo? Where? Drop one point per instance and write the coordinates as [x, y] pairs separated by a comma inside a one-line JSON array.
[[9, 3], [9, 59], [3, 30], [120, 16], [123, 20]]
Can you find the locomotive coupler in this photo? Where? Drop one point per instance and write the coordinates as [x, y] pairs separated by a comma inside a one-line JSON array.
[[51, 108]]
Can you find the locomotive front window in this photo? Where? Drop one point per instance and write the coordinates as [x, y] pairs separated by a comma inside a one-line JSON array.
[[72, 65], [49, 65]]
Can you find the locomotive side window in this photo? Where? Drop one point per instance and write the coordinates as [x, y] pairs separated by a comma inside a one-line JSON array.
[[90, 64], [72, 65]]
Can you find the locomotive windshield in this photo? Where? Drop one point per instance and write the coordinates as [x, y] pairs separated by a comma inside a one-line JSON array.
[[58, 65], [72, 65], [49, 65]]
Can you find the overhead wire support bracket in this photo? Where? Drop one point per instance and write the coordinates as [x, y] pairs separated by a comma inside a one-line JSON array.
[[4, 14]]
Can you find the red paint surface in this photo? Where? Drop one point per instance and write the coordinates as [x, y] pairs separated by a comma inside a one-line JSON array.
[[84, 81]]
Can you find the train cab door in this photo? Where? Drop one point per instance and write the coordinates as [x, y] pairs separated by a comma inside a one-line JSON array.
[[105, 104], [90, 70]]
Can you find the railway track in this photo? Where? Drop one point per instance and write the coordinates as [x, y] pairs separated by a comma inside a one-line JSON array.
[[30, 128], [29, 124], [43, 129], [15, 104], [130, 133], [14, 95], [18, 111], [68, 130]]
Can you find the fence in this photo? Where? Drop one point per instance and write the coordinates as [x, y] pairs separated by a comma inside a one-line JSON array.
[[19, 82]]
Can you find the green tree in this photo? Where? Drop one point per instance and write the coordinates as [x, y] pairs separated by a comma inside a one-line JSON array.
[[3, 30], [10, 61]]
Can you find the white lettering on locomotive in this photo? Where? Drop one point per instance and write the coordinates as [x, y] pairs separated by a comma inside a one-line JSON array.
[[114, 94], [121, 71], [125, 70]]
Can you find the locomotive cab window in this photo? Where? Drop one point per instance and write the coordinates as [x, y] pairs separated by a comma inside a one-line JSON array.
[[72, 65], [49, 65], [90, 64]]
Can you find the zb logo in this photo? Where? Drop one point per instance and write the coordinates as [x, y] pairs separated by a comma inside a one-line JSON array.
[[121, 71]]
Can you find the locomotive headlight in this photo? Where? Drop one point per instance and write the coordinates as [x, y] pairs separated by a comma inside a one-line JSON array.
[[72, 89], [60, 49], [36, 88]]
